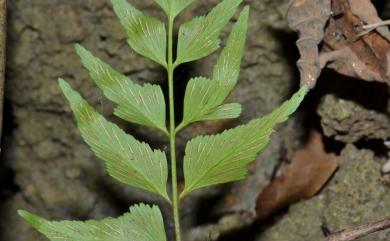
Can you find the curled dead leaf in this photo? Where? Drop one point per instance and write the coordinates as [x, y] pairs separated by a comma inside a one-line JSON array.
[[349, 52], [354, 40]]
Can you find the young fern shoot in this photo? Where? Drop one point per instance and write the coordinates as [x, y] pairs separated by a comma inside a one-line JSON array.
[[208, 160]]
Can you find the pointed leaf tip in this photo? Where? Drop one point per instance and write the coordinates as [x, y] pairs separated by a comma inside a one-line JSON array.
[[77, 46], [146, 35], [23, 213], [62, 83], [34, 220], [65, 87], [199, 37], [245, 11], [80, 50]]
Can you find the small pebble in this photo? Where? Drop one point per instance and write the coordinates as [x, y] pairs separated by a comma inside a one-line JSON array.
[[386, 167]]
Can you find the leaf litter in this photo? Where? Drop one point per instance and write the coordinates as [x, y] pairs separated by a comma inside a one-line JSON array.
[[347, 36], [309, 170]]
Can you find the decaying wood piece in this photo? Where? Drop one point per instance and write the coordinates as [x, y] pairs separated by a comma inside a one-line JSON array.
[[353, 233], [363, 56], [3, 19], [309, 18]]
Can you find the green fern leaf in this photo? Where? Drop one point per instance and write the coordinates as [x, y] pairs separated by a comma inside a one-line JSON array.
[[203, 97], [200, 36], [222, 158], [143, 105], [200, 103], [227, 111], [146, 35], [127, 160], [227, 69], [173, 7], [142, 223]]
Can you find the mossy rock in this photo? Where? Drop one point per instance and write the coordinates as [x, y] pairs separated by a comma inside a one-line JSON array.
[[355, 195]]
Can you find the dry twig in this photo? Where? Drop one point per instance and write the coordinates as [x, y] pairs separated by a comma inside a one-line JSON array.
[[353, 233]]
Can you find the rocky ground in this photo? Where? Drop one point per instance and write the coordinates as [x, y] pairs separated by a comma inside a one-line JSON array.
[[46, 167]]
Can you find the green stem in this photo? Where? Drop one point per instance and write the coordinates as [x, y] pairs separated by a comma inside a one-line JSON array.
[[172, 132]]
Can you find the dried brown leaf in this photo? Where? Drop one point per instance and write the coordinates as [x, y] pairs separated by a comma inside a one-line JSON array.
[[355, 41], [310, 169], [347, 50], [367, 12]]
